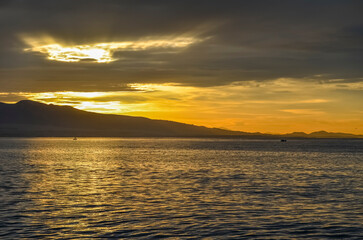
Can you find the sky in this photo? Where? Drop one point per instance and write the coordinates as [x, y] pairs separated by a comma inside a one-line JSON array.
[[254, 66]]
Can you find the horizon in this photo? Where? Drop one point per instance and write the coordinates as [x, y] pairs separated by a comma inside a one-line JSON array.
[[262, 133], [248, 66], [189, 119]]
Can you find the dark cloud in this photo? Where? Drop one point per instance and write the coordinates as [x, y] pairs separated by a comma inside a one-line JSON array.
[[243, 40]]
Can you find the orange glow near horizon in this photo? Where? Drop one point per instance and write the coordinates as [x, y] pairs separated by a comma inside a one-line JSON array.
[[236, 107]]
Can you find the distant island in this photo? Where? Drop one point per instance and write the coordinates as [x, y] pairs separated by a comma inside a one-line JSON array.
[[34, 119]]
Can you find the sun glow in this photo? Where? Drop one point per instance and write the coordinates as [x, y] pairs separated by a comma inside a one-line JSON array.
[[100, 52], [112, 102], [81, 100], [239, 106]]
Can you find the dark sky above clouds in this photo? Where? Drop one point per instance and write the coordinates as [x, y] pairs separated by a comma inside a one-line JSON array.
[[240, 41]]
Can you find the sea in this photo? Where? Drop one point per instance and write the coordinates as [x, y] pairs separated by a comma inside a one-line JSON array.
[[180, 188]]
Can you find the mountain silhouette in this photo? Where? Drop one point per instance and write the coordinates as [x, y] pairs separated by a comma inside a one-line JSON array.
[[30, 118], [33, 119]]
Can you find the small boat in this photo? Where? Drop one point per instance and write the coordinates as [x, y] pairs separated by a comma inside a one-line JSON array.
[[283, 140], [75, 138]]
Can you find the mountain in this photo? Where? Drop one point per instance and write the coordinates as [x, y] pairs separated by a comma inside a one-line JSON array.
[[29, 118], [322, 134], [33, 119]]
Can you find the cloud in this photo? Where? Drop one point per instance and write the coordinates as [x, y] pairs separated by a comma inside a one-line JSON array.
[[100, 52], [282, 105], [242, 41], [303, 111], [266, 64]]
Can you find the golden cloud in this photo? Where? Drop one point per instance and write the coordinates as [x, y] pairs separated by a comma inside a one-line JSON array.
[[307, 106], [100, 52]]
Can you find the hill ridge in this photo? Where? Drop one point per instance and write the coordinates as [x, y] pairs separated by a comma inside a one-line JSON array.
[[28, 118]]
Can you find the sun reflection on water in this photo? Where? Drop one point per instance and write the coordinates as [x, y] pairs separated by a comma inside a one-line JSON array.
[[153, 188]]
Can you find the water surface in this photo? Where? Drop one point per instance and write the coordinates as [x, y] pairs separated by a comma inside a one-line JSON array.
[[180, 188]]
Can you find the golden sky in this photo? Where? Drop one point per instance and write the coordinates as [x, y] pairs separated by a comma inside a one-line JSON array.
[[281, 108], [243, 66]]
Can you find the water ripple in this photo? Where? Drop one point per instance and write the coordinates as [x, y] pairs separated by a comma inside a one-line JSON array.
[[181, 188]]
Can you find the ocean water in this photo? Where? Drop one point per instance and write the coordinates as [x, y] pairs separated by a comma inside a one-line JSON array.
[[109, 188]]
